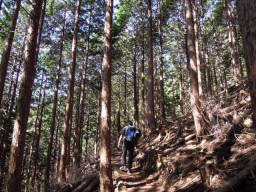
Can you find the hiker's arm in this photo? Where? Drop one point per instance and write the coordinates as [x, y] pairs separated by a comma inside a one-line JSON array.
[[119, 141]]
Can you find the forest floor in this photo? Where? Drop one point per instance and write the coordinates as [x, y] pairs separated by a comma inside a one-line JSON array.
[[172, 159]]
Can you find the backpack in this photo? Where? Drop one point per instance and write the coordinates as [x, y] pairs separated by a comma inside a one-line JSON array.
[[131, 134]]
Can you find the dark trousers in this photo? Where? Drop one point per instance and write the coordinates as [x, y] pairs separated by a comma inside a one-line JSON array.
[[127, 146]]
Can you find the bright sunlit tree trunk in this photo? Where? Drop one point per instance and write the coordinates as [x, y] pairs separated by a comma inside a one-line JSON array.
[[106, 182]]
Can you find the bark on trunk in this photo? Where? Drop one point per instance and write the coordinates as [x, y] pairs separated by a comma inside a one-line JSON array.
[[206, 54], [198, 60], [23, 103], [36, 155], [143, 123], [76, 143], [4, 144], [106, 182], [7, 48], [78, 131], [247, 14], [181, 84], [118, 119], [232, 43], [65, 153], [87, 133], [151, 124], [98, 126], [11, 85], [194, 97], [30, 172], [125, 93], [135, 95], [161, 83], [54, 110]]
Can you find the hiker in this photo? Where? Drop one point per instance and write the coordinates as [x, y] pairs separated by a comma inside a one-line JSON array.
[[130, 135]]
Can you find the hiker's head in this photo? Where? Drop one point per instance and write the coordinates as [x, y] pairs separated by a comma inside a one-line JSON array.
[[129, 122]]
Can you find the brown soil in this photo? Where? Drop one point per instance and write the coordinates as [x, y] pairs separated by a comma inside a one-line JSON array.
[[172, 159]]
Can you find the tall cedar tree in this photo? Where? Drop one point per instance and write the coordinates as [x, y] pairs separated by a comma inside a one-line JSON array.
[[150, 95], [198, 60], [4, 143], [54, 109], [232, 42], [65, 153], [78, 131], [106, 183], [7, 48], [247, 14], [194, 96], [125, 92], [135, 95], [207, 64], [23, 102], [143, 76], [36, 155], [160, 33]]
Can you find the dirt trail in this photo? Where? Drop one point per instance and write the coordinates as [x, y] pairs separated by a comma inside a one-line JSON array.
[[137, 181]]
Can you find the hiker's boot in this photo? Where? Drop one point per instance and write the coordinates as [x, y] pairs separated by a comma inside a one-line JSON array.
[[123, 168], [129, 171]]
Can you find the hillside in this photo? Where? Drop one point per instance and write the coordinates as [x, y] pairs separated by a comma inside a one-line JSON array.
[[172, 159]]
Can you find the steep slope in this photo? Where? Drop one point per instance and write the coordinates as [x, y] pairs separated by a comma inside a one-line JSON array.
[[172, 159]]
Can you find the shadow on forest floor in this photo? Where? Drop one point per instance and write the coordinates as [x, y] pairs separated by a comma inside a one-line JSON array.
[[170, 159]]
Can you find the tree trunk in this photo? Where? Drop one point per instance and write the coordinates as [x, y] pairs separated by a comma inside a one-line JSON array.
[[4, 144], [34, 137], [160, 33], [206, 54], [11, 85], [198, 60], [247, 14], [215, 75], [87, 133], [181, 84], [57, 151], [76, 143], [7, 48], [36, 155], [69, 105], [98, 126], [135, 95], [125, 93], [194, 97], [38, 39], [143, 123], [232, 43], [118, 120], [23, 103], [54, 109], [150, 94], [78, 131], [106, 182]]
